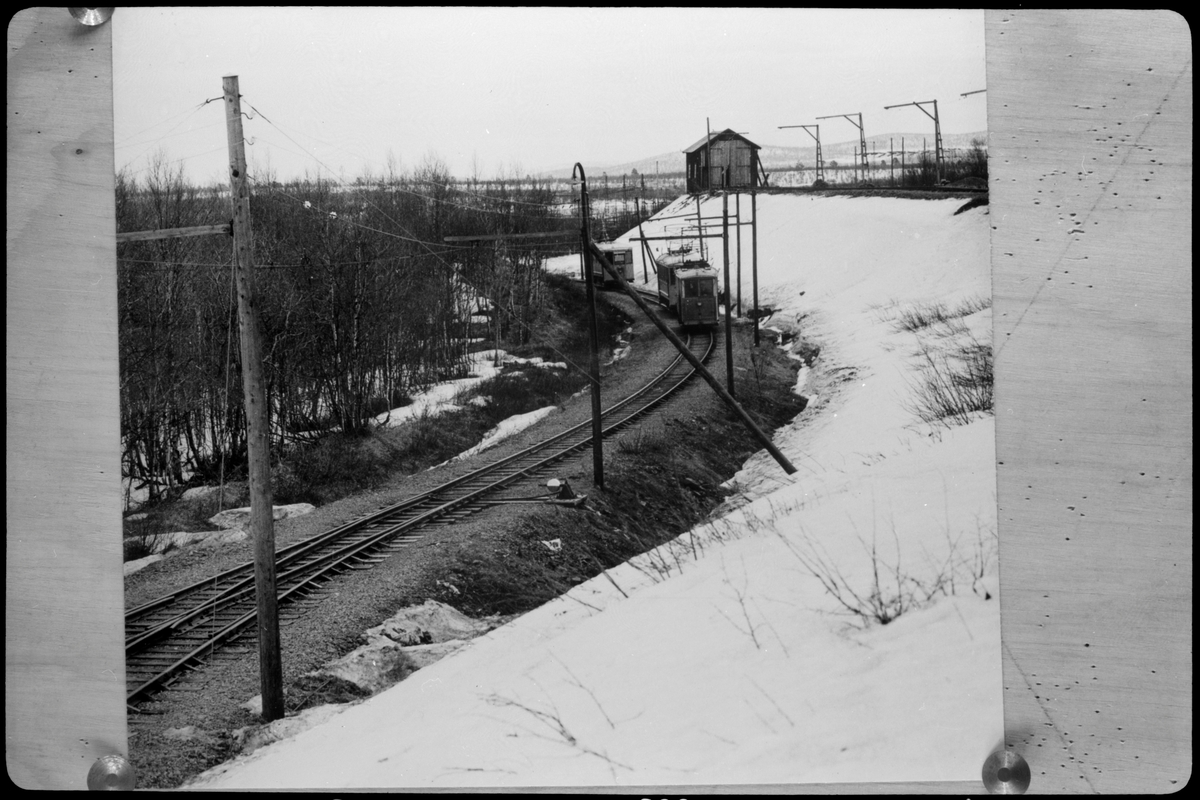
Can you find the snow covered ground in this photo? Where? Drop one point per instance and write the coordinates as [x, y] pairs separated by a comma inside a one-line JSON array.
[[733, 655], [509, 427], [442, 397]]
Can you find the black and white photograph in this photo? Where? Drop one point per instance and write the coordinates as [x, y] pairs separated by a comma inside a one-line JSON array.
[[654, 400], [755, 241]]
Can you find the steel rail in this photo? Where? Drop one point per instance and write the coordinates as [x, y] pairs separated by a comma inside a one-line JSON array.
[[349, 555], [287, 554]]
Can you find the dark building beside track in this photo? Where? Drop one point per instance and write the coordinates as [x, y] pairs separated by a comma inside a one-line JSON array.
[[725, 160]]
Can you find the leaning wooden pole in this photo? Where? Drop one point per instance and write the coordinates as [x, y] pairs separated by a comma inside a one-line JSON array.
[[270, 665], [758, 432]]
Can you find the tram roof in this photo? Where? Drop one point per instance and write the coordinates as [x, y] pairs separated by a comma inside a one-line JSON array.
[[695, 272], [680, 260]]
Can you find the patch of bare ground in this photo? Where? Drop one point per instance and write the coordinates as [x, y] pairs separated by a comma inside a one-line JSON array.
[[662, 477]]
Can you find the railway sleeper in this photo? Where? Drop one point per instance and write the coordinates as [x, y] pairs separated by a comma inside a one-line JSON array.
[[150, 664], [455, 497]]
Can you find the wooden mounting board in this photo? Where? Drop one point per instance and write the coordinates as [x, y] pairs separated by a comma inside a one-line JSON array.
[[1090, 120]]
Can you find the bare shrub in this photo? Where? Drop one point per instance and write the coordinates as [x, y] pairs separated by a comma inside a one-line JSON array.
[[642, 441], [892, 590], [924, 315], [971, 305], [955, 387], [140, 545]]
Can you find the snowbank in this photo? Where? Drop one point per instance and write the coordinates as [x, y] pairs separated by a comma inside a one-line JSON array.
[[442, 397], [509, 427], [840, 624]]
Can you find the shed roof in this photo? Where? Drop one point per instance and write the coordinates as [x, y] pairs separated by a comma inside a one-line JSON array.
[[728, 133]]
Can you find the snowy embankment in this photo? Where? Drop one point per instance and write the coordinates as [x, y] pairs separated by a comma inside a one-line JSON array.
[[443, 397], [734, 654], [509, 427]]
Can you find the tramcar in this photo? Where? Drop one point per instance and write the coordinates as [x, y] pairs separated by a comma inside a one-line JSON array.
[[687, 286], [621, 258]]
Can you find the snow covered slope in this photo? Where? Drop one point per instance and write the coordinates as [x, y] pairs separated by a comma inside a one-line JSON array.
[[736, 654]]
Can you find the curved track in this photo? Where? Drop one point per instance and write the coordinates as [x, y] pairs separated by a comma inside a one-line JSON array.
[[180, 631]]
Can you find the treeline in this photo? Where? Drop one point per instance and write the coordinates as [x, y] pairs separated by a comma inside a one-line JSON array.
[[359, 299], [956, 166]]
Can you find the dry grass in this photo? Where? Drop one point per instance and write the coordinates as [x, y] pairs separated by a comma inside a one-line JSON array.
[[924, 315], [954, 388], [658, 481], [666, 482], [893, 588]]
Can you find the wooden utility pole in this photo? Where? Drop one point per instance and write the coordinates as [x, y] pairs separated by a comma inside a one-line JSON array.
[[754, 257], [728, 296], [270, 665], [737, 212], [585, 236], [645, 257], [707, 154]]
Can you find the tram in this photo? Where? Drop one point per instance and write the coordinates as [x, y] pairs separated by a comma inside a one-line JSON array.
[[620, 256], [688, 287]]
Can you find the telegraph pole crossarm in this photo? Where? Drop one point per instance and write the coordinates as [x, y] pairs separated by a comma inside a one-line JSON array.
[[175, 233], [496, 237], [673, 238]]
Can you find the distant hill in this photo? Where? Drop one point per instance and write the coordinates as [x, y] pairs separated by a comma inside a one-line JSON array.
[[780, 156]]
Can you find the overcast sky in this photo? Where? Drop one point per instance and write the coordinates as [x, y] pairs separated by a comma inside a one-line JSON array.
[[509, 89]]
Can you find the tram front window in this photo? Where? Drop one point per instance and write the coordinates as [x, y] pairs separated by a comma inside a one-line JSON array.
[[707, 288]]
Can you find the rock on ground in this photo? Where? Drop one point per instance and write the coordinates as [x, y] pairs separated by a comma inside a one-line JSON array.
[[413, 638], [240, 517], [250, 740], [130, 567], [198, 539], [429, 623]]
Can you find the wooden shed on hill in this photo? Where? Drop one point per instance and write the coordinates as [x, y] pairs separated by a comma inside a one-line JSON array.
[[725, 160]]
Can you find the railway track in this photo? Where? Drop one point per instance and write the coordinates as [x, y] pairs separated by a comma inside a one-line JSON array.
[[180, 632]]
